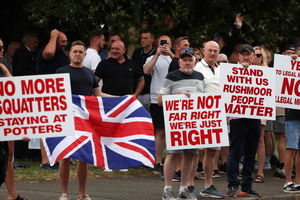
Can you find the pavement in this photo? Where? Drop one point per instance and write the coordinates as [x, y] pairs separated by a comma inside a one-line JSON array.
[[141, 188]]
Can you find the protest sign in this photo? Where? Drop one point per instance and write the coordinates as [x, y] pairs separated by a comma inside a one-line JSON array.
[[248, 92], [195, 122], [35, 107], [288, 81]]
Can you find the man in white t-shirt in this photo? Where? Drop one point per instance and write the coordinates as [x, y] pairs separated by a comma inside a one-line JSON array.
[[92, 58], [211, 72], [158, 65]]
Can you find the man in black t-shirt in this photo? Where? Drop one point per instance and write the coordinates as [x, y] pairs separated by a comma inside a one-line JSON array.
[[118, 73], [83, 82], [140, 56]]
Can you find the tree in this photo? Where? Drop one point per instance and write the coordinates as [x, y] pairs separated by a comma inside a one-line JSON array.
[[266, 21]]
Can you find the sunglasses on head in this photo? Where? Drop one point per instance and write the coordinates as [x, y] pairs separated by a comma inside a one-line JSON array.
[[258, 55]]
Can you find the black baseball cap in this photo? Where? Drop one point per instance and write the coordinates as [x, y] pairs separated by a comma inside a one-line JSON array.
[[289, 47], [186, 52], [246, 47]]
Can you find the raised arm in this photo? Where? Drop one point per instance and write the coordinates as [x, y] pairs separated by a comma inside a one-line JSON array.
[[50, 48], [149, 66], [6, 72]]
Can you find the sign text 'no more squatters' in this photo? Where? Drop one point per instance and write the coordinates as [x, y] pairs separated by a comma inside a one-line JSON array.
[[35, 107], [195, 122]]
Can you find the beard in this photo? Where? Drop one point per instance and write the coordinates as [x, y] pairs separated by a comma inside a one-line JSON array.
[[187, 71]]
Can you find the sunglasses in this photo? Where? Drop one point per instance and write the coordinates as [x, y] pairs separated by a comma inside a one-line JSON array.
[[258, 55], [1, 48]]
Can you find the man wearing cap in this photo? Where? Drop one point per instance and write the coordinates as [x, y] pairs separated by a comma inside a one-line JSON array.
[[244, 138], [211, 72], [182, 81]]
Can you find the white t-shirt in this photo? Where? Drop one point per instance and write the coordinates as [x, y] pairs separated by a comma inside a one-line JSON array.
[[92, 59], [212, 80], [158, 75]]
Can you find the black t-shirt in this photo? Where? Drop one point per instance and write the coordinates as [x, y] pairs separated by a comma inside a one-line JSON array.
[[118, 78], [174, 65], [83, 80], [140, 57], [50, 66], [292, 114]]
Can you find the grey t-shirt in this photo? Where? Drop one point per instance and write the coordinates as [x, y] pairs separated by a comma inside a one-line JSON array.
[[177, 81]]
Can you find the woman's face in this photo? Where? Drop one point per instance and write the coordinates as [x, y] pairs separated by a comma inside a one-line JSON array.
[[257, 57], [1, 49]]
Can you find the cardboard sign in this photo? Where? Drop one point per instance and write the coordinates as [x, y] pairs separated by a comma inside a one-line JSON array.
[[288, 81], [248, 92], [195, 122], [35, 107]]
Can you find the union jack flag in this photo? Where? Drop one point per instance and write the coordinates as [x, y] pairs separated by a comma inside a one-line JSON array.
[[110, 132]]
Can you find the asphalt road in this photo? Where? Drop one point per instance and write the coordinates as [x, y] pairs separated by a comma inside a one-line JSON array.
[[139, 188]]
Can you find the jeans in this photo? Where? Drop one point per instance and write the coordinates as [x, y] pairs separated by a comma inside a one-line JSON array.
[[244, 138]]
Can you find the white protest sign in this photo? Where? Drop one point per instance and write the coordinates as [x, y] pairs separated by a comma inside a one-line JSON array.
[[248, 92], [288, 81], [35, 107], [195, 122]]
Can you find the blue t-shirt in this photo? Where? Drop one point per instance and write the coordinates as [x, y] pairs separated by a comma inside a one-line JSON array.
[[83, 80]]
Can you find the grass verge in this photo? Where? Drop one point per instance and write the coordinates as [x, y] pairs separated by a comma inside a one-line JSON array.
[[34, 173]]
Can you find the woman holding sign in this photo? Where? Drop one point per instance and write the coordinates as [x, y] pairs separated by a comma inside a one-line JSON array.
[[9, 180], [260, 59]]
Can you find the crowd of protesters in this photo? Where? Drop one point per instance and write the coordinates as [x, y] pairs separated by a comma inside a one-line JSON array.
[[159, 68]]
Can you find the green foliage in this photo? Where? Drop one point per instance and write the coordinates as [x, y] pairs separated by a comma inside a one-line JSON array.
[[265, 20]]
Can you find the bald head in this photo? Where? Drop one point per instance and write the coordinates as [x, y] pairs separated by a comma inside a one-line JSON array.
[[118, 43], [62, 40], [118, 50], [211, 52]]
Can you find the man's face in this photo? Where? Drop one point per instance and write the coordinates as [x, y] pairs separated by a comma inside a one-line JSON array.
[[211, 52], [62, 41], [117, 50], [187, 64], [146, 40], [169, 43], [182, 45], [246, 57], [77, 54], [166, 47], [101, 41], [112, 39], [33, 44], [288, 52]]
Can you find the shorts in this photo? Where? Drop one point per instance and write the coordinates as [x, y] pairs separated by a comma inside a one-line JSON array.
[[157, 115], [277, 126], [190, 151], [145, 100], [293, 134]]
